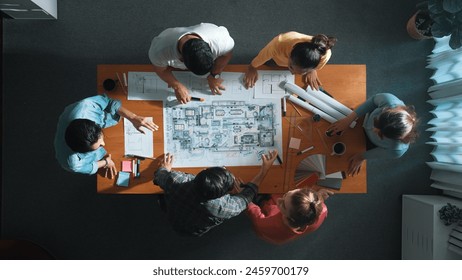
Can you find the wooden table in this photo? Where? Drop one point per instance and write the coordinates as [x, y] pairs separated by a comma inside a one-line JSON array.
[[346, 83]]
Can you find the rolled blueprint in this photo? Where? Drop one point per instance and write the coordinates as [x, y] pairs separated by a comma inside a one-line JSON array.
[[314, 101], [311, 109], [329, 100], [324, 102]]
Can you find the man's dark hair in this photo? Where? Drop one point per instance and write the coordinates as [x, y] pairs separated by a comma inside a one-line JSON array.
[[214, 182], [197, 56], [81, 134]]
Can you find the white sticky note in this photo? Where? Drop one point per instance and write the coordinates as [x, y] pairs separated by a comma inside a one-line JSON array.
[[295, 143]]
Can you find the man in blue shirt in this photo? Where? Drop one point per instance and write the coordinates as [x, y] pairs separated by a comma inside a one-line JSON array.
[[79, 139]]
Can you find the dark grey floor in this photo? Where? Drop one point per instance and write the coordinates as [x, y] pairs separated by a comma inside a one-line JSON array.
[[50, 64]]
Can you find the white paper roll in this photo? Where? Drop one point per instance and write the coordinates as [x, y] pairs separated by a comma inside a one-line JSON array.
[[311, 109], [314, 101], [321, 98], [329, 100]]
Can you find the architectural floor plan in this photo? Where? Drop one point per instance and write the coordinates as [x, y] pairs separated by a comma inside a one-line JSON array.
[[222, 132], [148, 86], [232, 129]]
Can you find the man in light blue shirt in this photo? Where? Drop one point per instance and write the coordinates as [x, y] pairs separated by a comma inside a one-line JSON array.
[[79, 139], [389, 124]]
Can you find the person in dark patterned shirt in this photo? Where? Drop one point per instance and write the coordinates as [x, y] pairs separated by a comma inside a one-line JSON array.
[[196, 204]]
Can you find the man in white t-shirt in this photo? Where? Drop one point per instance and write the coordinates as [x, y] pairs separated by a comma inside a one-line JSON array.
[[203, 49]]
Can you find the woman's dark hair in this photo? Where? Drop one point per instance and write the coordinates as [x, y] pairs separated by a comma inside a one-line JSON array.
[[197, 56], [81, 134], [306, 208], [307, 55], [398, 123], [214, 182]]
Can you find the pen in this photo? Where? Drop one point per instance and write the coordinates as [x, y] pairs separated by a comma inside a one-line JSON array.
[[138, 162], [305, 150], [284, 106], [139, 157], [279, 159], [197, 99]]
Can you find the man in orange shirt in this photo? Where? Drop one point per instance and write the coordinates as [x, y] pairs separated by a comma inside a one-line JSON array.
[[302, 54]]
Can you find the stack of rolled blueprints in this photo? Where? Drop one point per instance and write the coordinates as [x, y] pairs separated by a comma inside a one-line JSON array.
[[318, 102]]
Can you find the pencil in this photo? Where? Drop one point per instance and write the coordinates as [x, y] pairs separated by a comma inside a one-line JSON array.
[[305, 150], [120, 81], [197, 99], [125, 80]]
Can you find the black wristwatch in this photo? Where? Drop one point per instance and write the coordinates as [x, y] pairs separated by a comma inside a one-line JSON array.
[[215, 76]]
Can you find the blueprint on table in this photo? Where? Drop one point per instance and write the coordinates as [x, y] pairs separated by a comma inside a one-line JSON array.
[[232, 129], [222, 132], [269, 82], [148, 86]]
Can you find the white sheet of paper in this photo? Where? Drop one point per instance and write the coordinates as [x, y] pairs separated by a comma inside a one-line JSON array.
[[137, 143], [199, 87], [147, 86], [268, 83]]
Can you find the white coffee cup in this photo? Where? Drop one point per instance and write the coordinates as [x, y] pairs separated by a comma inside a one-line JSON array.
[[338, 149]]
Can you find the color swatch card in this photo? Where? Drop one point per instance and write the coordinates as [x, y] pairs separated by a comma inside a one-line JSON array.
[[313, 164], [316, 165]]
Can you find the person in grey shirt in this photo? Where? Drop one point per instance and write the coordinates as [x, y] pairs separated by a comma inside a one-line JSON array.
[[197, 203]]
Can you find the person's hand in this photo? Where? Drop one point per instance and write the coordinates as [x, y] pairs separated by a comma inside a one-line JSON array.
[[268, 159], [111, 169], [237, 186], [325, 194], [182, 93], [215, 84], [139, 121], [311, 79], [355, 163], [339, 126], [167, 162], [250, 77]]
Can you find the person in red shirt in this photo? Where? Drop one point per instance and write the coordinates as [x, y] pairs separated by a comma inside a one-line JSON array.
[[286, 217]]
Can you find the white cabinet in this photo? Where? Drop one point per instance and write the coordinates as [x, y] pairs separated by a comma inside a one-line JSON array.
[[30, 9], [424, 235]]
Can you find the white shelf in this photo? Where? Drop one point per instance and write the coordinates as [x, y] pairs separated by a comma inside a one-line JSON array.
[[30, 9]]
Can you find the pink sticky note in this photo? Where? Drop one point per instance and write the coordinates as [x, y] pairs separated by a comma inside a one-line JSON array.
[[127, 165]]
